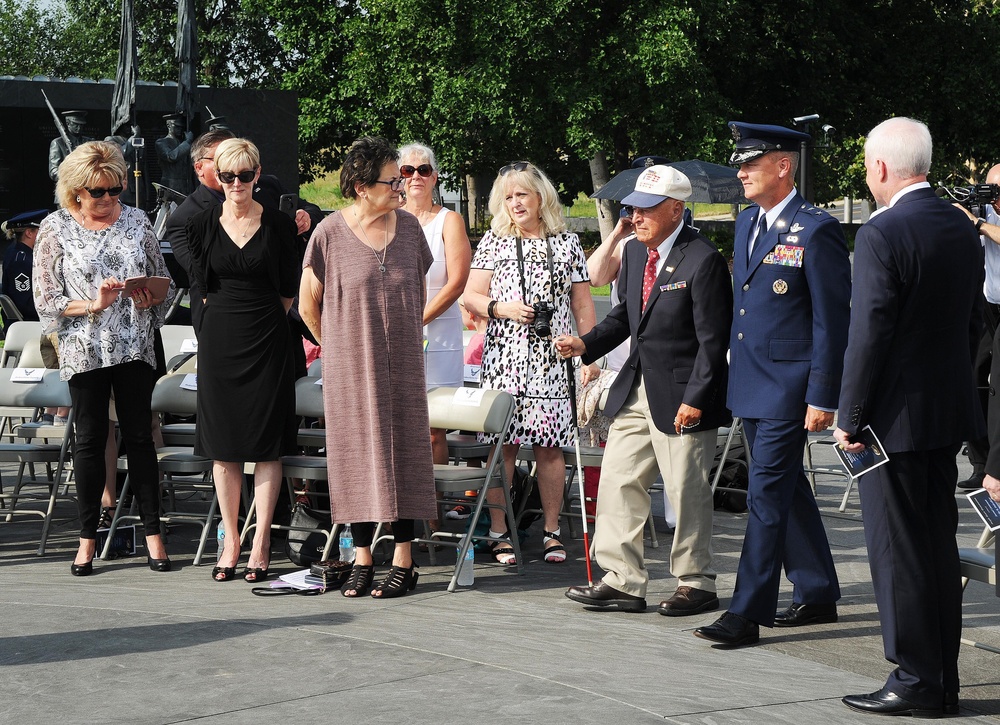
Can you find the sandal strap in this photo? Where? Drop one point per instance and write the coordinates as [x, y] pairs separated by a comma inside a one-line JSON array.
[[550, 536]]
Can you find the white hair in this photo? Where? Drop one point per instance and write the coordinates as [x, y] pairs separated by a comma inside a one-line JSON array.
[[904, 144], [420, 151]]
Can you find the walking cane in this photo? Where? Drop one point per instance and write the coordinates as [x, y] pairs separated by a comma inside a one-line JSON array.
[[571, 379]]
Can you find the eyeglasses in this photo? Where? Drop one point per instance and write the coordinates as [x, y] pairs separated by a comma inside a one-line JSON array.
[[408, 171], [395, 184], [630, 210], [98, 193], [514, 166], [206, 158], [228, 177]]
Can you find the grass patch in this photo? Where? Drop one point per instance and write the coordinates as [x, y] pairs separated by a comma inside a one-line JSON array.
[[324, 192]]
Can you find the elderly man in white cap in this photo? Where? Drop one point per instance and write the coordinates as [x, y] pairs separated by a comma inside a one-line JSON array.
[[667, 402]]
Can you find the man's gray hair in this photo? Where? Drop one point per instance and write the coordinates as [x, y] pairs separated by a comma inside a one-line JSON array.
[[904, 144]]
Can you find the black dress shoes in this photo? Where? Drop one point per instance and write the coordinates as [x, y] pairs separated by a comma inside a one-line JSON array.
[[973, 482], [82, 569], [687, 601], [602, 595], [798, 615], [885, 702], [732, 630], [950, 704]]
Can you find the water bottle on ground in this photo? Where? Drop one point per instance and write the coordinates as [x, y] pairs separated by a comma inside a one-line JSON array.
[[467, 572], [346, 544], [220, 539]]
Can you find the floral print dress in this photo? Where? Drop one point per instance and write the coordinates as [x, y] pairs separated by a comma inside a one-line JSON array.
[[515, 358]]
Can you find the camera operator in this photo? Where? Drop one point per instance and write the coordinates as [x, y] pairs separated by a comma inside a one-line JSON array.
[[988, 225]]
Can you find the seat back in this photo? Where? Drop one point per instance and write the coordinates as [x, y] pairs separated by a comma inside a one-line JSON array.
[[170, 397], [471, 409], [31, 355], [19, 334], [50, 392], [10, 310], [308, 398], [173, 337]]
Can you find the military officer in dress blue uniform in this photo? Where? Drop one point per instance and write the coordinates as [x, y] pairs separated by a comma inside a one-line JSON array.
[[22, 230], [792, 290]]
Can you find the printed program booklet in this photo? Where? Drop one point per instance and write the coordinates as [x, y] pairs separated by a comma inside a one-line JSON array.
[[871, 457], [987, 508]]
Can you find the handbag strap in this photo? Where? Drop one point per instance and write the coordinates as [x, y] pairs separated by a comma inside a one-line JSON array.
[[283, 591]]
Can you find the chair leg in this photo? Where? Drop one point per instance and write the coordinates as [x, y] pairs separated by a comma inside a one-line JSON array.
[[115, 519], [206, 529]]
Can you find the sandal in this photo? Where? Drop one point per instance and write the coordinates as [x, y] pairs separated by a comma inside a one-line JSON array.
[[502, 551], [228, 573], [399, 581], [359, 581], [107, 516], [253, 575], [553, 554]]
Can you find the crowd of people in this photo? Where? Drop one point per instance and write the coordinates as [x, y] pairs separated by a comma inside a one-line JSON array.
[[784, 342]]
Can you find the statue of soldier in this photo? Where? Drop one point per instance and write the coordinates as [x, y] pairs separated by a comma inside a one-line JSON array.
[[73, 121], [174, 153]]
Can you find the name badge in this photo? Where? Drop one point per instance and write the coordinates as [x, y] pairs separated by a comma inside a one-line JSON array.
[[675, 285]]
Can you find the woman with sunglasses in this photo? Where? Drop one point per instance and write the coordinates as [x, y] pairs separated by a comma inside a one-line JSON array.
[[528, 268], [84, 253], [449, 243], [245, 263], [363, 297]]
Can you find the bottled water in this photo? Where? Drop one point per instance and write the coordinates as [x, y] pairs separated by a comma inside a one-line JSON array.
[[346, 544], [467, 572], [220, 539]]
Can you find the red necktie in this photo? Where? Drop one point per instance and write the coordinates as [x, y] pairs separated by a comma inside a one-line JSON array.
[[649, 276]]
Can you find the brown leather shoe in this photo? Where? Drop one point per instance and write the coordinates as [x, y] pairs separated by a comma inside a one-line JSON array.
[[603, 595], [687, 601]]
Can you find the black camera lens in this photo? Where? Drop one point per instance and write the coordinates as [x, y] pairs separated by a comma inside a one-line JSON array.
[[542, 324]]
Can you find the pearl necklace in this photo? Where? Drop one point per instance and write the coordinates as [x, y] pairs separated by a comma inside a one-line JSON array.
[[385, 243]]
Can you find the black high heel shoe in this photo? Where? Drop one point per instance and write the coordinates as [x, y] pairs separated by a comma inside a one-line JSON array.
[[82, 569], [359, 581], [228, 573], [398, 582], [253, 575], [158, 564]]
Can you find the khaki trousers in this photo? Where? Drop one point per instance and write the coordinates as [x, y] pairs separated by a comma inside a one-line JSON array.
[[636, 450]]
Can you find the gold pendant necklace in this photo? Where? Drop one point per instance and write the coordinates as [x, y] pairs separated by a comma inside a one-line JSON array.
[[385, 243]]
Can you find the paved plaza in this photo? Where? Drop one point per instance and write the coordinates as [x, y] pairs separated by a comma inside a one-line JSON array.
[[127, 645]]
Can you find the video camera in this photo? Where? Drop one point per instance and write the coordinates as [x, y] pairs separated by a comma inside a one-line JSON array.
[[971, 197]]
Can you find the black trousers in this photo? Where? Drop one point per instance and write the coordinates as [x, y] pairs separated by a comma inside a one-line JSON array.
[[911, 520], [403, 530], [979, 449], [132, 383]]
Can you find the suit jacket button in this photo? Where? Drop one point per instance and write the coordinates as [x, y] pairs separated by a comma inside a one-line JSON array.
[[746, 287], [742, 312], [640, 339], [739, 336]]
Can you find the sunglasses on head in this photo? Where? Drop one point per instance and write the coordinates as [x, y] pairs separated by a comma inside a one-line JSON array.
[[98, 193], [228, 177], [514, 166], [408, 171]]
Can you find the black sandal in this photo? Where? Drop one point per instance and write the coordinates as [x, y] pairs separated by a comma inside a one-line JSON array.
[[107, 516], [228, 573], [252, 575], [398, 582], [503, 552], [558, 551], [359, 581]]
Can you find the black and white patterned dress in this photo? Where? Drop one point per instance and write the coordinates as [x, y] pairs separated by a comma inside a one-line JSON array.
[[515, 359]]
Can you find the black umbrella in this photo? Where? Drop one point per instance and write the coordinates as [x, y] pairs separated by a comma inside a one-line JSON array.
[[710, 183]]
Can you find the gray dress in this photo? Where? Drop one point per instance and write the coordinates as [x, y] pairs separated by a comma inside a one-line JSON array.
[[377, 429]]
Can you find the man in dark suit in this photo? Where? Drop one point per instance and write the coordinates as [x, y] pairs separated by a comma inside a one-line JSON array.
[[267, 192], [667, 401], [915, 327], [792, 286]]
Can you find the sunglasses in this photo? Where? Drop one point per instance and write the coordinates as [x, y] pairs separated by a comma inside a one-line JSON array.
[[424, 170], [630, 210], [228, 177], [514, 166], [394, 184], [98, 193]]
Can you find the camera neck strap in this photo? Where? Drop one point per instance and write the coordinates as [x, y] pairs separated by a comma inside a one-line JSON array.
[[548, 261]]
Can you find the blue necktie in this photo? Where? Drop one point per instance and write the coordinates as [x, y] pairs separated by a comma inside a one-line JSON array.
[[761, 231]]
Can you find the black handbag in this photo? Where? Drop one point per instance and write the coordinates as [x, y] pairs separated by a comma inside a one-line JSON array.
[[307, 536]]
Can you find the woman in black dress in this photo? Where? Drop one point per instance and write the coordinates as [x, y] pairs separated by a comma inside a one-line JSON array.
[[244, 258]]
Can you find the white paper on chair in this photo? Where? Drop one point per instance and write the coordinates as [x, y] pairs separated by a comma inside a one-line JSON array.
[[190, 382], [27, 375], [189, 345], [469, 396]]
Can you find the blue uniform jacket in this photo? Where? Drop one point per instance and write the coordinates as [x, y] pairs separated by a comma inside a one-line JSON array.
[[791, 314]]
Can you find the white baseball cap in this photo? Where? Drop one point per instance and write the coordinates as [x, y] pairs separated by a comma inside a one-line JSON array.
[[657, 183]]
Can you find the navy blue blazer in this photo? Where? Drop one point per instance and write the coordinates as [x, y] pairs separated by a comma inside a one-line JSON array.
[[679, 343], [792, 310], [916, 322]]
